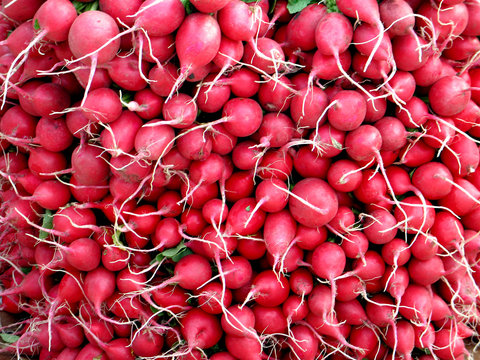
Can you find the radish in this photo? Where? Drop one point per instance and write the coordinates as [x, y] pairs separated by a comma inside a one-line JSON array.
[[269, 320], [279, 231], [269, 289], [303, 342], [348, 112], [403, 339], [209, 6], [458, 95], [147, 343], [307, 107], [99, 49], [243, 116], [204, 31], [438, 15], [313, 194], [301, 29], [200, 329]]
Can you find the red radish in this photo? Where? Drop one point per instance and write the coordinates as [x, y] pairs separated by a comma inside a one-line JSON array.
[[348, 111], [160, 18], [355, 245], [462, 157], [395, 281], [163, 79], [51, 194], [279, 231], [127, 71], [238, 21], [424, 247], [365, 37], [180, 111], [396, 252], [213, 299], [200, 329], [415, 215], [243, 116], [89, 165], [269, 289], [433, 173], [313, 202], [121, 12], [238, 321], [301, 29], [462, 198], [153, 140], [98, 37], [240, 213], [402, 339], [339, 40], [265, 55], [269, 320], [451, 90], [276, 96], [204, 31], [419, 273], [209, 6], [416, 304], [147, 343], [243, 348], [99, 286], [380, 227], [53, 134], [440, 15], [409, 44], [397, 16]]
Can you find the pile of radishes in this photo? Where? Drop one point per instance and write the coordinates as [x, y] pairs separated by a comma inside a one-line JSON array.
[[227, 179]]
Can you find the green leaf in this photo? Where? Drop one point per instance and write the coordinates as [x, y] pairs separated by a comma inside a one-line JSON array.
[[336, 144], [46, 224], [249, 1], [36, 25], [26, 270], [117, 238], [175, 254], [272, 7], [82, 7], [295, 6], [331, 6], [9, 338], [181, 254], [188, 6], [126, 98]]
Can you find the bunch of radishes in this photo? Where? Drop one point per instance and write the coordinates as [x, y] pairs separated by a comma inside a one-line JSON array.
[[230, 179]]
